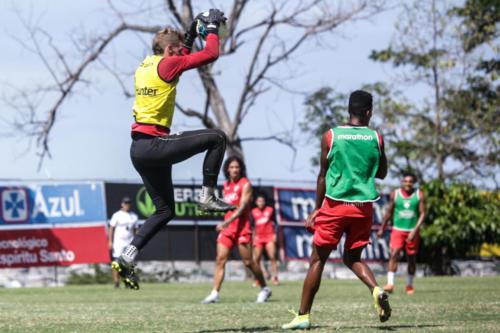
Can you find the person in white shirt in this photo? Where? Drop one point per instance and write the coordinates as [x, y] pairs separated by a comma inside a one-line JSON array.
[[121, 232]]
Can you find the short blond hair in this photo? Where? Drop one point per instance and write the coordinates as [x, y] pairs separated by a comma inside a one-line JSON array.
[[165, 37]]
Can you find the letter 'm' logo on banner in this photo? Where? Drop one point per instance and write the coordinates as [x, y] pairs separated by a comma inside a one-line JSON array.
[[14, 206]]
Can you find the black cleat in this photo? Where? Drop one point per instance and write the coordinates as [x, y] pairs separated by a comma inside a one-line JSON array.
[[127, 272], [214, 204]]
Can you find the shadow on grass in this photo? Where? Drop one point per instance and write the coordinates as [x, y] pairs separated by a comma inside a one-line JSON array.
[[253, 329], [241, 329], [388, 327], [317, 327]]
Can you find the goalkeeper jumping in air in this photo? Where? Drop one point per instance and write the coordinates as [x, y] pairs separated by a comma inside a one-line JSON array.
[[154, 149]]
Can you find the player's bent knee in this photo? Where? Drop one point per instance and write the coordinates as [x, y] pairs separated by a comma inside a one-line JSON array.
[[166, 215], [347, 261], [247, 262], [221, 136], [394, 255], [220, 261]]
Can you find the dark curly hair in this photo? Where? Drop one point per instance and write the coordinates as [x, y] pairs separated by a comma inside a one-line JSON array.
[[410, 174], [229, 160]]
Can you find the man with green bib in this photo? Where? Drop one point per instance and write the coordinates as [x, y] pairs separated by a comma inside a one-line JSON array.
[[407, 210], [352, 156]]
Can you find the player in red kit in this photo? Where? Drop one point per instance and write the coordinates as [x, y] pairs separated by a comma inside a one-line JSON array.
[[265, 237], [235, 229]]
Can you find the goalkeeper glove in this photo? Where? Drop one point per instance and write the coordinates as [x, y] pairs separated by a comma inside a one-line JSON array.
[[190, 35]]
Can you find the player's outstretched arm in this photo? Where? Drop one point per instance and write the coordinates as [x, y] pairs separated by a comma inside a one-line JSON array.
[[388, 216], [320, 183], [382, 166]]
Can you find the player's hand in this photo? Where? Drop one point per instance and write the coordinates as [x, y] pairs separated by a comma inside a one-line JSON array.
[[190, 35], [411, 235], [311, 219], [110, 245], [213, 18], [380, 232], [221, 226]]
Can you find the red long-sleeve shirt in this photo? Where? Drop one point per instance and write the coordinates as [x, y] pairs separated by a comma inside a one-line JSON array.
[[169, 68]]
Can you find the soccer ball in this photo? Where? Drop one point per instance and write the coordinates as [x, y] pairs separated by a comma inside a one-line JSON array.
[[201, 28]]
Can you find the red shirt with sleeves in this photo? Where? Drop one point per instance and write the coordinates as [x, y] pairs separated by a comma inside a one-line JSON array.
[[172, 67]]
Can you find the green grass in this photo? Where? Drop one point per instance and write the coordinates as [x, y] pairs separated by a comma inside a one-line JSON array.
[[439, 305]]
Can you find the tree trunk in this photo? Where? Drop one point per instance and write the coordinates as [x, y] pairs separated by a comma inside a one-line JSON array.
[[234, 148]]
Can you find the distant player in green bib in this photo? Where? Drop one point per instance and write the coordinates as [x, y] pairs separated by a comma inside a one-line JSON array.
[[352, 156], [407, 211]]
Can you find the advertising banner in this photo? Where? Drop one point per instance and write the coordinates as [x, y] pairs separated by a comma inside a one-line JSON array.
[[186, 196], [52, 204], [295, 204], [57, 246]]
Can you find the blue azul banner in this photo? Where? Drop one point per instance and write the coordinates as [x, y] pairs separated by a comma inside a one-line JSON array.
[[298, 245], [52, 204]]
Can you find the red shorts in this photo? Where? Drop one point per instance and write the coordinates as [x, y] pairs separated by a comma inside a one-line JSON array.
[[335, 218], [229, 240], [399, 240], [262, 240]]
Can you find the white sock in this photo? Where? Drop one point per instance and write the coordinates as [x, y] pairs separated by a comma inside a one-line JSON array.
[[129, 253], [206, 192], [390, 278], [214, 293], [409, 280]]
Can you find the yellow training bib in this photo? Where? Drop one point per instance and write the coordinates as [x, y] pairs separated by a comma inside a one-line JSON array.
[[154, 98]]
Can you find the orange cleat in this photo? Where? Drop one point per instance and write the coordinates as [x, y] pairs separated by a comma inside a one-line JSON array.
[[410, 290], [256, 283], [389, 288]]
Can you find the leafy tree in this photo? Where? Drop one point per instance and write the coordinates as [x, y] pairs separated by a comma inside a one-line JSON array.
[[453, 127], [460, 218], [442, 120]]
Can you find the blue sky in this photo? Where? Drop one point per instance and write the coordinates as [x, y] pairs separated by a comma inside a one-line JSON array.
[[91, 138]]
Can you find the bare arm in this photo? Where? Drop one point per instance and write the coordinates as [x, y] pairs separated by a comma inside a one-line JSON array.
[[110, 236], [387, 216], [382, 166], [421, 218], [320, 183]]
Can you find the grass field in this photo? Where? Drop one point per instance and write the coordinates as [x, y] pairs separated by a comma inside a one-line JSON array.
[[439, 305]]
